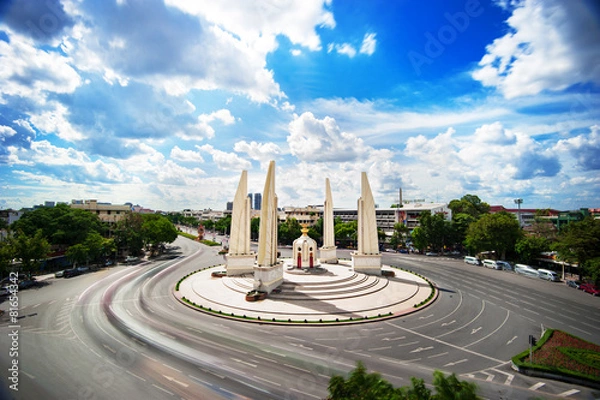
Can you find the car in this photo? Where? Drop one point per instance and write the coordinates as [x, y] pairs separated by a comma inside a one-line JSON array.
[[548, 275], [491, 264], [526, 270], [573, 284], [68, 273], [472, 260], [83, 269], [403, 251], [431, 254], [504, 265], [131, 259], [590, 288]]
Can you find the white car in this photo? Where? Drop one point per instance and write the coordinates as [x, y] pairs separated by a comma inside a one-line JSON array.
[[526, 270]]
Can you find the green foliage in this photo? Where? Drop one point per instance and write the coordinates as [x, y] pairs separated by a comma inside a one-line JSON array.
[[362, 385], [579, 242], [60, 225], [399, 235], [529, 248], [469, 204], [223, 225], [30, 250], [345, 232], [7, 253], [498, 232], [157, 229], [180, 219], [434, 231], [288, 231]]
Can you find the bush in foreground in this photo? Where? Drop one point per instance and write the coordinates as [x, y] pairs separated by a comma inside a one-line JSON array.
[[361, 385]]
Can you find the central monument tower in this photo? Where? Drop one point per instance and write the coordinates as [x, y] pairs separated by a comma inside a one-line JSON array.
[[268, 272], [367, 258]]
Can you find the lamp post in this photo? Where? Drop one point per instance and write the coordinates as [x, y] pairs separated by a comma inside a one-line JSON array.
[[518, 202]]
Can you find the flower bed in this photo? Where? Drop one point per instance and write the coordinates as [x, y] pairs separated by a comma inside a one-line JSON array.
[[563, 354]]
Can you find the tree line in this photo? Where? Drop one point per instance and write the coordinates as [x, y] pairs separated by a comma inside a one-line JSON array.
[[79, 235]]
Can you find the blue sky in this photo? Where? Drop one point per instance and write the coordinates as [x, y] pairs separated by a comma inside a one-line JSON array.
[[164, 102]]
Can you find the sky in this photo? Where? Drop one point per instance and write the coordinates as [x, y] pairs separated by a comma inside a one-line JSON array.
[[163, 103]]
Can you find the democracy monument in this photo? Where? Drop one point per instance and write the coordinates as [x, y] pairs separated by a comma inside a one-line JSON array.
[[311, 286]]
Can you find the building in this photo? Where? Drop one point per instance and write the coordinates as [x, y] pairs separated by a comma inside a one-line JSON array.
[[304, 215], [408, 215], [107, 212], [257, 201]]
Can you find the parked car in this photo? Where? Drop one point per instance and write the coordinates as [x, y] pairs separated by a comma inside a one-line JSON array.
[[83, 269], [431, 254], [548, 275], [403, 251], [590, 288], [573, 284], [68, 273], [472, 260], [526, 270], [504, 265], [59, 274], [491, 264], [131, 259]]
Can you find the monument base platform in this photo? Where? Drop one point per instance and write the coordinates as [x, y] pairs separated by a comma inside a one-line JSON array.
[[369, 264], [328, 255], [268, 278], [240, 264]]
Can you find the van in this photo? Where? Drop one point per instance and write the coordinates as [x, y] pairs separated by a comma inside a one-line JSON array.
[[491, 264], [548, 275], [472, 260], [526, 270], [504, 265]]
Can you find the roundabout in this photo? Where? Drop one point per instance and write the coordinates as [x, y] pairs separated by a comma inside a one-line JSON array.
[[332, 293]]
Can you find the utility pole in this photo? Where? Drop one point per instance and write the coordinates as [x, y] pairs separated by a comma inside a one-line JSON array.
[[518, 202]]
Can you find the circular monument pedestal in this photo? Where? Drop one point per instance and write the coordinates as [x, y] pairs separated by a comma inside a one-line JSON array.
[[331, 293]]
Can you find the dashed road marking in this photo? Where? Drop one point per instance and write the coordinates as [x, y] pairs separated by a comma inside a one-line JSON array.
[[537, 386], [568, 393]]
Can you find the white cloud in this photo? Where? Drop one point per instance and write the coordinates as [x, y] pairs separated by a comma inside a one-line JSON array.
[[185, 155], [39, 72], [345, 49], [262, 152], [369, 44], [255, 21], [551, 45], [584, 148], [225, 161], [56, 120], [6, 132], [296, 52], [202, 129], [316, 140]]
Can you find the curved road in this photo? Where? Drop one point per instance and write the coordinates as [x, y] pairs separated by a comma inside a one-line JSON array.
[[120, 333]]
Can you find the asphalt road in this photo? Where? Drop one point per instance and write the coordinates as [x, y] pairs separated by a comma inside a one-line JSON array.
[[120, 333]]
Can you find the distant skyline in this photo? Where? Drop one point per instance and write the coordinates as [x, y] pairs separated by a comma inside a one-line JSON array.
[[164, 103]]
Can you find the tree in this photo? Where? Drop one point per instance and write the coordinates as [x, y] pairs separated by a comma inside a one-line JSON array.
[[289, 230], [399, 234], [156, 230], [254, 228], [60, 225], [30, 250], [7, 254], [435, 231], [77, 254], [529, 247], [362, 385], [469, 204], [128, 233], [345, 232], [497, 232], [579, 242], [223, 225]]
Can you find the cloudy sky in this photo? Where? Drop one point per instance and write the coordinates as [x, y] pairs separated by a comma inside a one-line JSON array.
[[164, 102]]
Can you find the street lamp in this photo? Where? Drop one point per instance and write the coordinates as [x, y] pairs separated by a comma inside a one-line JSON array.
[[518, 202]]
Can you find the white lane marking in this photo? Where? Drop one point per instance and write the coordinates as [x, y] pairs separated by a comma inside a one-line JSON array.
[[396, 338], [568, 393], [298, 368], [468, 323], [380, 348], [168, 366], [493, 332], [511, 340], [438, 355], [110, 349], [474, 331], [171, 379], [451, 364], [305, 394], [163, 389], [420, 349], [134, 375], [237, 360], [537, 386], [201, 381], [509, 377], [448, 323], [268, 381]]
